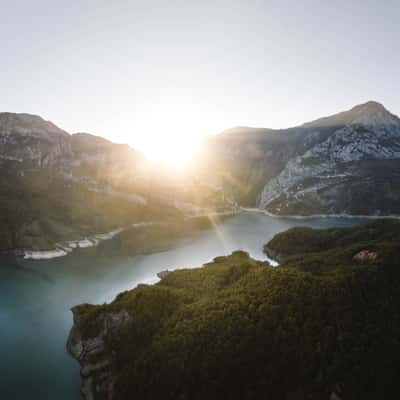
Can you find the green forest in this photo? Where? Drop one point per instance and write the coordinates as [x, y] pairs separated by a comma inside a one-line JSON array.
[[324, 323], [39, 209]]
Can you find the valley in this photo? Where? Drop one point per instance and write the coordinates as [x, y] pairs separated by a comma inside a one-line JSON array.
[[58, 188], [199, 200]]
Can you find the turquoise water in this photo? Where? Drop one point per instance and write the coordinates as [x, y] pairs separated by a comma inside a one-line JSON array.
[[36, 296]]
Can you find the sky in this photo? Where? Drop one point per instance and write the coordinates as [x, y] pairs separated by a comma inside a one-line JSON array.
[[156, 74]]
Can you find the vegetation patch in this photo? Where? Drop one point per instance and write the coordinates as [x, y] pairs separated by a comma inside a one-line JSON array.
[[321, 323]]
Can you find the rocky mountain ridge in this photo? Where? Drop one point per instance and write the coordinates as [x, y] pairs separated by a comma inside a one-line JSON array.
[[34, 142], [57, 187], [327, 166], [29, 139], [329, 176]]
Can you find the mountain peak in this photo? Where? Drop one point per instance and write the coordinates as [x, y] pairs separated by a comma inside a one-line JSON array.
[[22, 124], [370, 108], [370, 113], [371, 105]]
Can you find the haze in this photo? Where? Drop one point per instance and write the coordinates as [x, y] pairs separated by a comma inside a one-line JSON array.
[[159, 74]]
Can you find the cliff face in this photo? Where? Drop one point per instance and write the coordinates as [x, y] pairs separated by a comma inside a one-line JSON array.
[[94, 353], [242, 160], [31, 142], [357, 160], [29, 139]]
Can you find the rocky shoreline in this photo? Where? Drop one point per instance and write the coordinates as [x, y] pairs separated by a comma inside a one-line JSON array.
[[67, 247], [64, 248], [273, 257], [313, 216], [94, 356]]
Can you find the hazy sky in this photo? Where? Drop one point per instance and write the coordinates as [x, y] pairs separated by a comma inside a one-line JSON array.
[[143, 71]]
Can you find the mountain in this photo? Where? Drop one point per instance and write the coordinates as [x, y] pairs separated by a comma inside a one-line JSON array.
[[33, 143], [327, 166], [29, 139], [57, 188], [322, 325], [359, 160], [370, 113]]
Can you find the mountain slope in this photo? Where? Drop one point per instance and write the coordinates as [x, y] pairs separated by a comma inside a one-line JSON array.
[[56, 187], [360, 159], [327, 166]]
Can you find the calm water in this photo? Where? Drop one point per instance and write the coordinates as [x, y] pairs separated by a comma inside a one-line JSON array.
[[35, 298]]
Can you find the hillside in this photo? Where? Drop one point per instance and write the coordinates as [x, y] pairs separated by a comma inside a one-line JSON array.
[[327, 166], [240, 329], [58, 187], [326, 249]]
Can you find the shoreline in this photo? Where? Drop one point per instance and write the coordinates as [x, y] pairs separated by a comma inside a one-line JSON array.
[[273, 262], [64, 248], [314, 216]]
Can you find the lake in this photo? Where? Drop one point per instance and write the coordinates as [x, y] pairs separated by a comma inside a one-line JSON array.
[[36, 297]]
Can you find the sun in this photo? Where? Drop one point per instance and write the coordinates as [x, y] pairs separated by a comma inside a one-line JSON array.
[[173, 150], [167, 129]]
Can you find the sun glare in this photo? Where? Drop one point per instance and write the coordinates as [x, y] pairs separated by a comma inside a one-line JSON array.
[[168, 129], [172, 151]]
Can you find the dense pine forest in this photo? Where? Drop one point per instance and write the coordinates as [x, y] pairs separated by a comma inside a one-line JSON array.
[[324, 323]]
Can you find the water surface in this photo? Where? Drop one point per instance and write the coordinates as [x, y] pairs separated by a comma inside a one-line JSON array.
[[36, 296]]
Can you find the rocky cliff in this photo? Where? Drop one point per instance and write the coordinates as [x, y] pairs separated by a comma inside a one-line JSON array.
[[29, 139], [93, 353], [360, 159], [28, 142], [328, 166]]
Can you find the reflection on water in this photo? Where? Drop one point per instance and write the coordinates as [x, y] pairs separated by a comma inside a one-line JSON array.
[[35, 297]]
